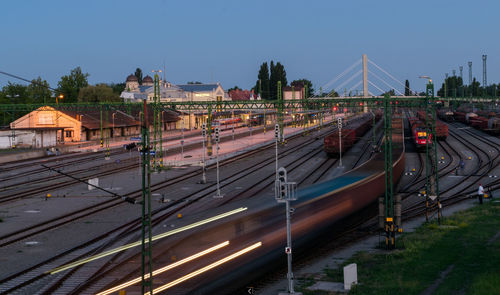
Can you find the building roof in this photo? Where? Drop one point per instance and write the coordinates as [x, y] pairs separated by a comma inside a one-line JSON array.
[[239, 94], [132, 78], [295, 88], [147, 79], [198, 87]]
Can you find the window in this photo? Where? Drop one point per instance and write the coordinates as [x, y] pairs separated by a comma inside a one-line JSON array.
[[68, 133]]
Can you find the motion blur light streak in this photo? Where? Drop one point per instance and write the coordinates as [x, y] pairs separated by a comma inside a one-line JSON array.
[[206, 268], [163, 269], [138, 243]]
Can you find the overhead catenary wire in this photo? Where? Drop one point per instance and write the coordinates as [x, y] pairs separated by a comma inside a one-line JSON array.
[[29, 81]]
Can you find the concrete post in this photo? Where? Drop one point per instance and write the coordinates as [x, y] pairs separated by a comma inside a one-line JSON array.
[[365, 82]]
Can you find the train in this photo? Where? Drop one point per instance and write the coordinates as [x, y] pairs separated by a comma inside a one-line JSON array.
[[254, 232], [446, 115], [419, 133], [441, 128], [486, 121], [348, 136]]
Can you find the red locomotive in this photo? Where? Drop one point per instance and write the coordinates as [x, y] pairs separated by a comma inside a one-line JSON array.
[[419, 133], [441, 128]]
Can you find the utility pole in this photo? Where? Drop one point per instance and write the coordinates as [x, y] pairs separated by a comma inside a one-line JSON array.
[[432, 175], [203, 135], [280, 113], [470, 78], [339, 126], [485, 82], [218, 195], [146, 231], [389, 225]]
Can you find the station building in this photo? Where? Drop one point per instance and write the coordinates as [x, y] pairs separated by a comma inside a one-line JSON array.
[[135, 92], [47, 126]]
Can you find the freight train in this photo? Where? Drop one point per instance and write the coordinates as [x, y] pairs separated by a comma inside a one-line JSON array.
[[482, 120], [441, 128], [348, 136], [419, 133]]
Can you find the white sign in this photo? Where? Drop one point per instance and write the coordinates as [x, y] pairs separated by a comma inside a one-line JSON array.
[[92, 183], [350, 275]]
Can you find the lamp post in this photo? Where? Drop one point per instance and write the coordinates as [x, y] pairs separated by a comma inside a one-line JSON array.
[[60, 96]]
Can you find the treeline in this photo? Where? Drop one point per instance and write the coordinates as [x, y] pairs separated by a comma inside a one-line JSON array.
[[268, 77], [74, 87], [454, 87]]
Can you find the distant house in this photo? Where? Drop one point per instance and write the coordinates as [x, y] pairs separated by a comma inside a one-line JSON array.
[[238, 95], [51, 126], [296, 92]]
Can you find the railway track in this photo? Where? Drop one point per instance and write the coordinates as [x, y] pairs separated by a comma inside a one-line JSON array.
[[208, 192]]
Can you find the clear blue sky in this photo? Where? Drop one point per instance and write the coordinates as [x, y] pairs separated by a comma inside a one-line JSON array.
[[226, 41]]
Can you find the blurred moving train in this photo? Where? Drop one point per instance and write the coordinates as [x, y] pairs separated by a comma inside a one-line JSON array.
[[318, 207]]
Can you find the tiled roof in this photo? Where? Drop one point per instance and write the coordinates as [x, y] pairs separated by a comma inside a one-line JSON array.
[[198, 87]]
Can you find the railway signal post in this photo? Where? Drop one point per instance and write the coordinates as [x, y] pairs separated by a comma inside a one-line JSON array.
[[203, 135], [286, 193], [146, 230], [217, 131], [339, 125], [277, 137]]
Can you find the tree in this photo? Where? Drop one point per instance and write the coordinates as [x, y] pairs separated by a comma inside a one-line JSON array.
[[70, 85], [117, 87], [278, 73], [194, 82], [234, 88], [39, 91], [391, 92], [138, 74], [98, 93], [407, 88], [304, 83], [14, 93], [333, 93], [262, 84]]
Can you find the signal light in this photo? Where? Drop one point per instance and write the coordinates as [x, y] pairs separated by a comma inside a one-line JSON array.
[[217, 134], [204, 129], [277, 131], [335, 109]]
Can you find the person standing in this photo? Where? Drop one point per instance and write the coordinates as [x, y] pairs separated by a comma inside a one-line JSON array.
[[480, 193]]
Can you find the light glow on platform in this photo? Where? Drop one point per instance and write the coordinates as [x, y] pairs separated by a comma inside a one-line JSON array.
[[163, 269], [206, 268], [138, 243]]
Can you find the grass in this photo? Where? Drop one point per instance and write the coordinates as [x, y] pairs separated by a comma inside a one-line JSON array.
[[464, 242]]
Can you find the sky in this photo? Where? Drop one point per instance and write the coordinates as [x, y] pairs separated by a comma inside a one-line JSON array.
[[226, 41]]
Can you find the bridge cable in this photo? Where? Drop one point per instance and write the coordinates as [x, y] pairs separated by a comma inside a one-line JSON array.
[[341, 74], [395, 89]]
